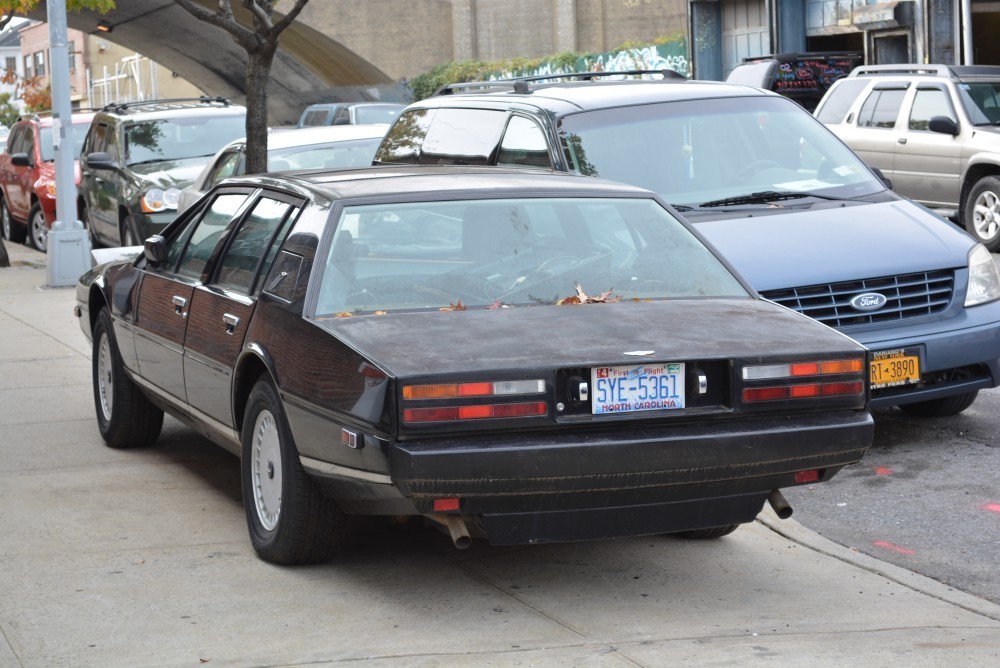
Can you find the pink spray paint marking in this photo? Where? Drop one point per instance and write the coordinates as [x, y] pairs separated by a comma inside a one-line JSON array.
[[895, 548], [992, 507], [883, 470]]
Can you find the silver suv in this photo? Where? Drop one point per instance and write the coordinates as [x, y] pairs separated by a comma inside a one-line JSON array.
[[933, 132]]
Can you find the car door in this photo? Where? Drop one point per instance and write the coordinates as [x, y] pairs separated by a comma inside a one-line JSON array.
[[876, 129], [19, 186], [165, 295], [927, 165], [221, 307], [98, 181]]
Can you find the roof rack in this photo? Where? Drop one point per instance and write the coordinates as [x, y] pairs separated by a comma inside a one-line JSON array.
[[522, 84], [204, 99], [896, 70]]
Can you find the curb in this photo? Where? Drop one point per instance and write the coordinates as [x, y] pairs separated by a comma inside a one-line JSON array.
[[795, 532]]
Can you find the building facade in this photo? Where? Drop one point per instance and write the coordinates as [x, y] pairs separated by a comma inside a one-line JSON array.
[[952, 32]]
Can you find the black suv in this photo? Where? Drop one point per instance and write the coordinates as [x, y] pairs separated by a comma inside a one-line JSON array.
[[794, 210], [139, 155]]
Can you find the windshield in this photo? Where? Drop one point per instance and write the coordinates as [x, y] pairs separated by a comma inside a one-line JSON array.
[[514, 253], [377, 113], [49, 151], [178, 139], [702, 150], [981, 101]]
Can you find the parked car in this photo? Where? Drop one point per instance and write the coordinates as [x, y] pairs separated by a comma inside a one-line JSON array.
[[803, 77], [349, 113], [139, 155], [308, 148], [28, 179], [932, 130], [522, 356], [797, 213]]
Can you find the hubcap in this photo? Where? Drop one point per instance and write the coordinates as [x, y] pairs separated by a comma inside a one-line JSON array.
[[265, 470], [39, 230], [105, 388], [986, 215], [5, 221]]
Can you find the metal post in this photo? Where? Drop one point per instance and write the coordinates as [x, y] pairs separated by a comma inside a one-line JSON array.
[[67, 245]]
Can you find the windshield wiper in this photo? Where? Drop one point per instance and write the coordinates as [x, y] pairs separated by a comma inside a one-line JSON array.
[[763, 197]]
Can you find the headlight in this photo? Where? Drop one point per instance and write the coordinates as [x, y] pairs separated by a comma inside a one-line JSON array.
[[157, 199], [984, 279]]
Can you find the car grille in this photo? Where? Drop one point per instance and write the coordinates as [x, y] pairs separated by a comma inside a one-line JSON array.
[[908, 296]]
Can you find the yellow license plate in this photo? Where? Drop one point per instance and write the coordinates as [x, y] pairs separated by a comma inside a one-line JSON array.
[[892, 368]]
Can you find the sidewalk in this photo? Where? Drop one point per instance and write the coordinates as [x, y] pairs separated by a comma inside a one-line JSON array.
[[141, 558]]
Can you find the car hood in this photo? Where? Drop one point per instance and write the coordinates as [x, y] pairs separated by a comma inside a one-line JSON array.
[[167, 173], [830, 243], [536, 337]]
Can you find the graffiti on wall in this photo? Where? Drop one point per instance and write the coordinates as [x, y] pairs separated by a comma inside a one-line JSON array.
[[671, 56]]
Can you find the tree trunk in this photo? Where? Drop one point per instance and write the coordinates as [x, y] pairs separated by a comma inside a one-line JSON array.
[[4, 258], [257, 78]]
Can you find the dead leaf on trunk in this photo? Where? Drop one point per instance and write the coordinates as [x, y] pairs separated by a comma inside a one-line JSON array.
[[582, 297], [458, 306]]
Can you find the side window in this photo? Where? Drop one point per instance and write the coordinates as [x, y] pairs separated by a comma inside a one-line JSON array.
[[251, 246], [927, 103], [881, 108], [225, 167], [193, 246], [462, 137], [97, 139], [403, 141], [839, 100], [112, 146], [28, 143], [16, 142], [524, 145]]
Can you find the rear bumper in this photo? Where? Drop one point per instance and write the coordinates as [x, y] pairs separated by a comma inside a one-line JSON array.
[[601, 484]]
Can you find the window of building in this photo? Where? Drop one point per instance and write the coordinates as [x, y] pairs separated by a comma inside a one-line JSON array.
[[39, 63], [71, 48], [27, 67], [11, 65]]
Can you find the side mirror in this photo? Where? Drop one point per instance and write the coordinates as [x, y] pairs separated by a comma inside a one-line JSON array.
[[20, 160], [155, 249], [882, 177], [101, 160], [944, 125]]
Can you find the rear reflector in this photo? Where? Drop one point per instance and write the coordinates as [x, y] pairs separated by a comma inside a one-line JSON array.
[[803, 477], [444, 505], [475, 412]]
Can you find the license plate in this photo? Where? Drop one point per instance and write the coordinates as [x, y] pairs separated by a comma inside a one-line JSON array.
[[893, 368], [641, 387]]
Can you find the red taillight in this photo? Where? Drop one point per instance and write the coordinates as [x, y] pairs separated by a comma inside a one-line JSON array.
[[445, 505], [752, 394], [474, 412], [791, 380]]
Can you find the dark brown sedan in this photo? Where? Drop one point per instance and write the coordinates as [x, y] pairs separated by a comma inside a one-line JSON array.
[[516, 356]]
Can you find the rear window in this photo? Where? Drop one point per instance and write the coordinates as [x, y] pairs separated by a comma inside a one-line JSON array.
[[513, 253], [443, 137]]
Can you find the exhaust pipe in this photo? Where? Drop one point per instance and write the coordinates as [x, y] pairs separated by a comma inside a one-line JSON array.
[[779, 504], [456, 529]]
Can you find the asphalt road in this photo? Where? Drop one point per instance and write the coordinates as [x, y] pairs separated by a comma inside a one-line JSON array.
[[926, 497]]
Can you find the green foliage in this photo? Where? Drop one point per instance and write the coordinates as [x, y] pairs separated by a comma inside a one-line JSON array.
[[8, 112], [424, 85]]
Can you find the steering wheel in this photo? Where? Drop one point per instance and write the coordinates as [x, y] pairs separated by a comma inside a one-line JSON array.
[[748, 171]]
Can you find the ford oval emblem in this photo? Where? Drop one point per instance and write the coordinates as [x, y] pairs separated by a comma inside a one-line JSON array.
[[869, 301]]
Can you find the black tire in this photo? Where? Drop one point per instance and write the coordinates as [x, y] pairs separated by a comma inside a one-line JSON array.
[[941, 407], [705, 534], [38, 231], [981, 214], [95, 242], [127, 233], [12, 232], [125, 417], [289, 520]]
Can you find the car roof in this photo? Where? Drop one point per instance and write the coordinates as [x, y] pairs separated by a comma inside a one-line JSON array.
[[962, 72], [568, 97], [460, 180], [46, 121], [174, 108], [321, 134]]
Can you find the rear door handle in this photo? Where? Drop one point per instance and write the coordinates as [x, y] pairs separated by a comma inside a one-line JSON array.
[[231, 322], [179, 304], [902, 140]]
